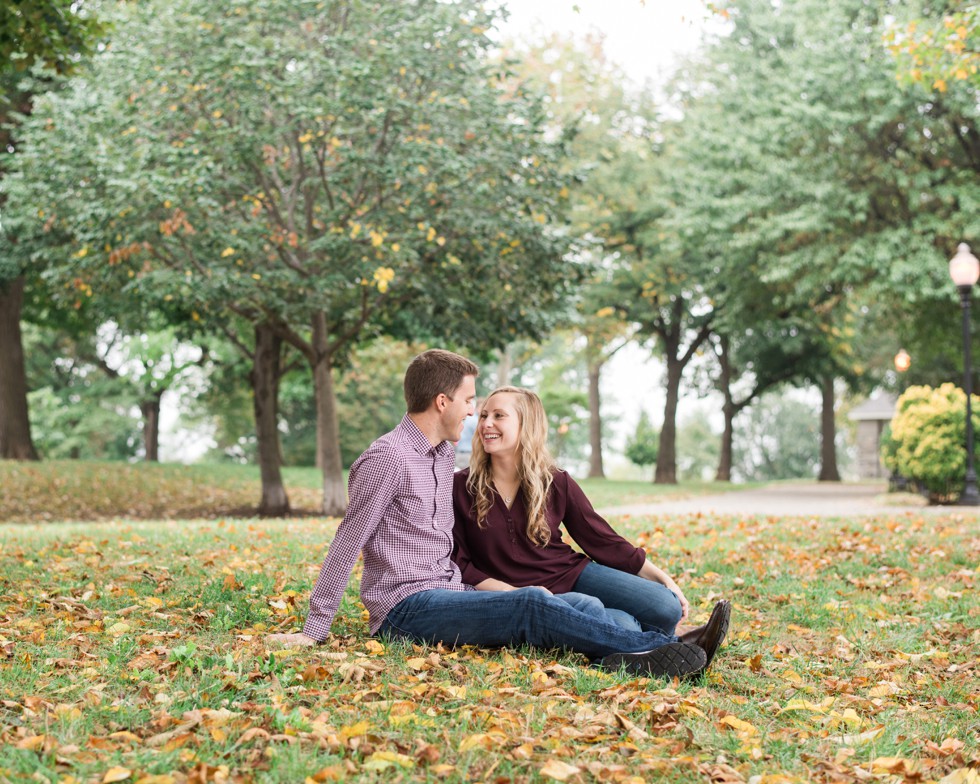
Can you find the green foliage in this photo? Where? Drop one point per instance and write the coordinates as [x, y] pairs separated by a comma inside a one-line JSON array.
[[214, 181], [370, 402], [643, 446], [777, 438], [53, 33], [99, 427], [940, 50], [698, 448], [928, 437]]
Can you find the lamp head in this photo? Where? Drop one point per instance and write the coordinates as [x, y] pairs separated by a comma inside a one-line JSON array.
[[902, 361], [964, 267]]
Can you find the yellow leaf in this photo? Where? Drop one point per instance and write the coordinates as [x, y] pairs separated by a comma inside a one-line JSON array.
[[352, 730], [961, 776], [884, 689], [375, 647], [118, 629], [558, 770], [817, 707], [32, 742], [385, 759], [227, 252], [893, 765], [482, 741], [939, 84], [156, 778], [116, 774], [738, 725]]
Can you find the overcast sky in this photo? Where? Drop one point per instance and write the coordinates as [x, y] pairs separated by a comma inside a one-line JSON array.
[[645, 38]]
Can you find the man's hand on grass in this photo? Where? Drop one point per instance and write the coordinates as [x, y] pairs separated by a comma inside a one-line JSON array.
[[291, 640]]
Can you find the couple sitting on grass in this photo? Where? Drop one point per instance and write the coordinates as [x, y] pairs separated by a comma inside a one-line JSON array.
[[478, 558]]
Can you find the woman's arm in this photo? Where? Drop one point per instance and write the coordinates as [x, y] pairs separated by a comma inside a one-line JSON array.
[[493, 584], [655, 574]]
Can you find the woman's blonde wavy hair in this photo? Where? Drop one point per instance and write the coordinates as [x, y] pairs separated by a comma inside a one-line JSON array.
[[534, 465]]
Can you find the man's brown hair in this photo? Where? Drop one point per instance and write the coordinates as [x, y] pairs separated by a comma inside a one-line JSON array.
[[432, 373]]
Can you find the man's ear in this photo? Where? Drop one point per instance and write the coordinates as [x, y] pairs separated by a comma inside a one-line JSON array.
[[442, 401]]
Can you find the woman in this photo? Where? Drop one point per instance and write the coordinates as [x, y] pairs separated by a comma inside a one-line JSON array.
[[509, 506]]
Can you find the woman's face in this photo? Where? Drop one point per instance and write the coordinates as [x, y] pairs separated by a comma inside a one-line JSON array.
[[500, 426]]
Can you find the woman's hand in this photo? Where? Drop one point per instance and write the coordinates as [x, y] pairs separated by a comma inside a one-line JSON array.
[[655, 574], [675, 588], [492, 584]]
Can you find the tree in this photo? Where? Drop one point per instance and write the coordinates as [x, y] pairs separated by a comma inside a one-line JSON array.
[[592, 104], [642, 447], [824, 197], [52, 35], [244, 189], [939, 50]]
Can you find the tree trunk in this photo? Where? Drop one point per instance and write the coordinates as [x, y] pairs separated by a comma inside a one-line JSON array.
[[265, 391], [15, 425], [150, 409], [504, 367], [666, 473], [828, 433], [724, 472], [327, 424], [595, 423]]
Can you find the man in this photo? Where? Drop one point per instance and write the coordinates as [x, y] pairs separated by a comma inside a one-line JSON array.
[[400, 516]]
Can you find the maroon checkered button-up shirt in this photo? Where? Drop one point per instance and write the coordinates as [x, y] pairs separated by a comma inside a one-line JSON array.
[[401, 516]]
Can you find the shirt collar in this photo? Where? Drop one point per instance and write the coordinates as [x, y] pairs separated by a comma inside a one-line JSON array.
[[419, 442]]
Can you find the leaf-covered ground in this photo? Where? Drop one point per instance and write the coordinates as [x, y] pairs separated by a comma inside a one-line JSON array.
[[133, 652], [59, 490]]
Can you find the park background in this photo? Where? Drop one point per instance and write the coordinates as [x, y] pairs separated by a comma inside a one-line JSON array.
[[249, 216]]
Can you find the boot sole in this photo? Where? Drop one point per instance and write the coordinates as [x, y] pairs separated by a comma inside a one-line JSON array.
[[673, 660]]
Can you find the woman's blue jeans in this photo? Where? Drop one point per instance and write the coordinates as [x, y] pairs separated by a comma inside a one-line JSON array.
[[655, 606], [527, 616]]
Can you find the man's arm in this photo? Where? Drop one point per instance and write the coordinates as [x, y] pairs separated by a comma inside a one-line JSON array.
[[373, 485]]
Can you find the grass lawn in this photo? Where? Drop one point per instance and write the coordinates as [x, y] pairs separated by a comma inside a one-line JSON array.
[[57, 490], [133, 652]]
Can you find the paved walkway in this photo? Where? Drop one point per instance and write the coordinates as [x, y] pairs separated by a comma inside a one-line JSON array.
[[782, 499]]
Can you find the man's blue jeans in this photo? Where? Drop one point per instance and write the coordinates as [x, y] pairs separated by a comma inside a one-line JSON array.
[[527, 616], [654, 605], [591, 605]]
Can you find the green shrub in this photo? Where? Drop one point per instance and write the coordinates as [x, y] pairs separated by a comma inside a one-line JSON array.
[[927, 442]]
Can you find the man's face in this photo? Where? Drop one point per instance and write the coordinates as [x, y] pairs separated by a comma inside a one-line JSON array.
[[460, 404]]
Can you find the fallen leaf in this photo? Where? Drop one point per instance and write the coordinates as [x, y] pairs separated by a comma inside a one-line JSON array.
[[859, 739], [116, 774], [962, 776], [558, 770], [738, 725]]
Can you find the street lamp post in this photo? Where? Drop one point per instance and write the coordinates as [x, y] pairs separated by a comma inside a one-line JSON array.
[[903, 361], [964, 269]]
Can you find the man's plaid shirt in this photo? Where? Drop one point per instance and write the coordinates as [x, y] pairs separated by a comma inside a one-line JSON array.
[[400, 515]]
